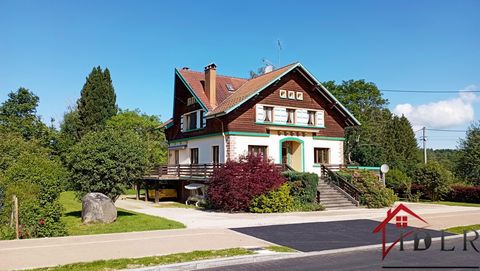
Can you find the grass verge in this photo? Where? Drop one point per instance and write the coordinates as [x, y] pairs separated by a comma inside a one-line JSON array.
[[117, 264], [175, 205], [127, 221], [453, 203], [280, 249], [461, 229]]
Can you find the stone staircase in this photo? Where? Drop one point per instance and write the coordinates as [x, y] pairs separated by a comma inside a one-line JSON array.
[[331, 197]]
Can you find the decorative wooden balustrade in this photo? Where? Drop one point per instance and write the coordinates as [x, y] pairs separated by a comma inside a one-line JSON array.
[[182, 171], [191, 171]]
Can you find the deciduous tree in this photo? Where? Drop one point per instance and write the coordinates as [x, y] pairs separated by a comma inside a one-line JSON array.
[[107, 162]]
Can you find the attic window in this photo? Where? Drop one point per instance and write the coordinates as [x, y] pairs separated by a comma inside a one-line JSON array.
[[230, 87]]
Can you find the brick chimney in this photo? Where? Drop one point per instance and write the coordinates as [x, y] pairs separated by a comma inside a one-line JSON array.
[[211, 83]]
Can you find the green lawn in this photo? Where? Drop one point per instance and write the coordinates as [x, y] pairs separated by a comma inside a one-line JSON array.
[[280, 249], [127, 221], [461, 229], [118, 264], [452, 203]]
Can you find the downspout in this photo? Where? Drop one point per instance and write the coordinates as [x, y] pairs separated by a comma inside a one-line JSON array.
[[224, 141]]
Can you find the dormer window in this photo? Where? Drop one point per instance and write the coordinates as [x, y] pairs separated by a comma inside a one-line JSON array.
[[229, 87], [268, 114]]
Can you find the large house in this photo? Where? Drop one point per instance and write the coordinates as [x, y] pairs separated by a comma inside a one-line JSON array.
[[285, 114]]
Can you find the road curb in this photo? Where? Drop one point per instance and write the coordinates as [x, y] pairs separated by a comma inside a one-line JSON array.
[[258, 258]]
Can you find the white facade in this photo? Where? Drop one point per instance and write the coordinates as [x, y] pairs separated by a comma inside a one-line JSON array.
[[239, 145], [205, 150]]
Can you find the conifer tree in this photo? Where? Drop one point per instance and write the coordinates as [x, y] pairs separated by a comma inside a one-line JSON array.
[[97, 102]]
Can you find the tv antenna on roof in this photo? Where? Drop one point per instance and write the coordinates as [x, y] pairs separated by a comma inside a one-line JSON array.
[[279, 44]]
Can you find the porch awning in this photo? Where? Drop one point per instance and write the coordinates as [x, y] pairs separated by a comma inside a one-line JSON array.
[[177, 147]]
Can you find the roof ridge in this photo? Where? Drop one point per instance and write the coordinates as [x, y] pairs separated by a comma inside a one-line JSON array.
[[293, 63], [221, 75]]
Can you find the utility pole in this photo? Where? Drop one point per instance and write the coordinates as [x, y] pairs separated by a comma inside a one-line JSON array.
[[15, 210], [424, 138]]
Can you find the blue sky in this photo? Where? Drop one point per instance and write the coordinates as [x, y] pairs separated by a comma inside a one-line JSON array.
[[51, 46]]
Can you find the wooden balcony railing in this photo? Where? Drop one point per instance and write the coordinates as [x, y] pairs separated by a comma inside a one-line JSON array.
[[204, 171], [196, 171]]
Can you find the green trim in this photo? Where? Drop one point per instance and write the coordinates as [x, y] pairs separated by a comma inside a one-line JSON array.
[[317, 165], [169, 125], [248, 134], [262, 88], [328, 138], [219, 134], [362, 167], [293, 139], [289, 125], [194, 137], [196, 129], [191, 90]]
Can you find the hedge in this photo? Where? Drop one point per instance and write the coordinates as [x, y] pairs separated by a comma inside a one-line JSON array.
[[303, 186], [276, 201], [462, 193]]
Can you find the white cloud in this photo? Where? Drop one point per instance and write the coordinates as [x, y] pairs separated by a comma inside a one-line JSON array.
[[441, 114]]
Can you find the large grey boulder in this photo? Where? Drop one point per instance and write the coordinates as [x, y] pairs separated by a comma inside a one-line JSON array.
[[98, 208]]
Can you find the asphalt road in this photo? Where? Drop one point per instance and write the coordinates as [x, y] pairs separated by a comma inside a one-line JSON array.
[[320, 236], [431, 259]]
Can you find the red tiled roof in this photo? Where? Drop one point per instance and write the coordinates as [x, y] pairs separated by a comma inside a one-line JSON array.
[[243, 89], [248, 88], [196, 80]]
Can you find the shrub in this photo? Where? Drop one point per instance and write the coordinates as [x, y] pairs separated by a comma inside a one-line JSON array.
[[462, 193], [107, 162], [232, 187], [276, 201], [434, 178], [398, 181], [37, 183], [303, 186], [373, 193]]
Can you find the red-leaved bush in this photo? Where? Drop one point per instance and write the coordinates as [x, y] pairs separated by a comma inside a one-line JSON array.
[[462, 193], [232, 187]]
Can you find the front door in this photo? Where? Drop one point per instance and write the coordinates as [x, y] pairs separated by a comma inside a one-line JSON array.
[[292, 154], [177, 157], [284, 155]]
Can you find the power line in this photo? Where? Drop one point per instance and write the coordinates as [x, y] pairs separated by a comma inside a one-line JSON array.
[[430, 91], [447, 130]]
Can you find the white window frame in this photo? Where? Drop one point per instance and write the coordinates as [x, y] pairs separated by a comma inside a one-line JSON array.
[[274, 122], [200, 122]]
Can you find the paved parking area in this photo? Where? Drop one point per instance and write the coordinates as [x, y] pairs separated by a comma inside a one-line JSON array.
[[320, 236], [438, 216]]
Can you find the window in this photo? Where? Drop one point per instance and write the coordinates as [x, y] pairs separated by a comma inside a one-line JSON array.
[[194, 156], [191, 120], [254, 149], [290, 116], [321, 155], [268, 111], [215, 154], [201, 119], [311, 118], [229, 87]]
